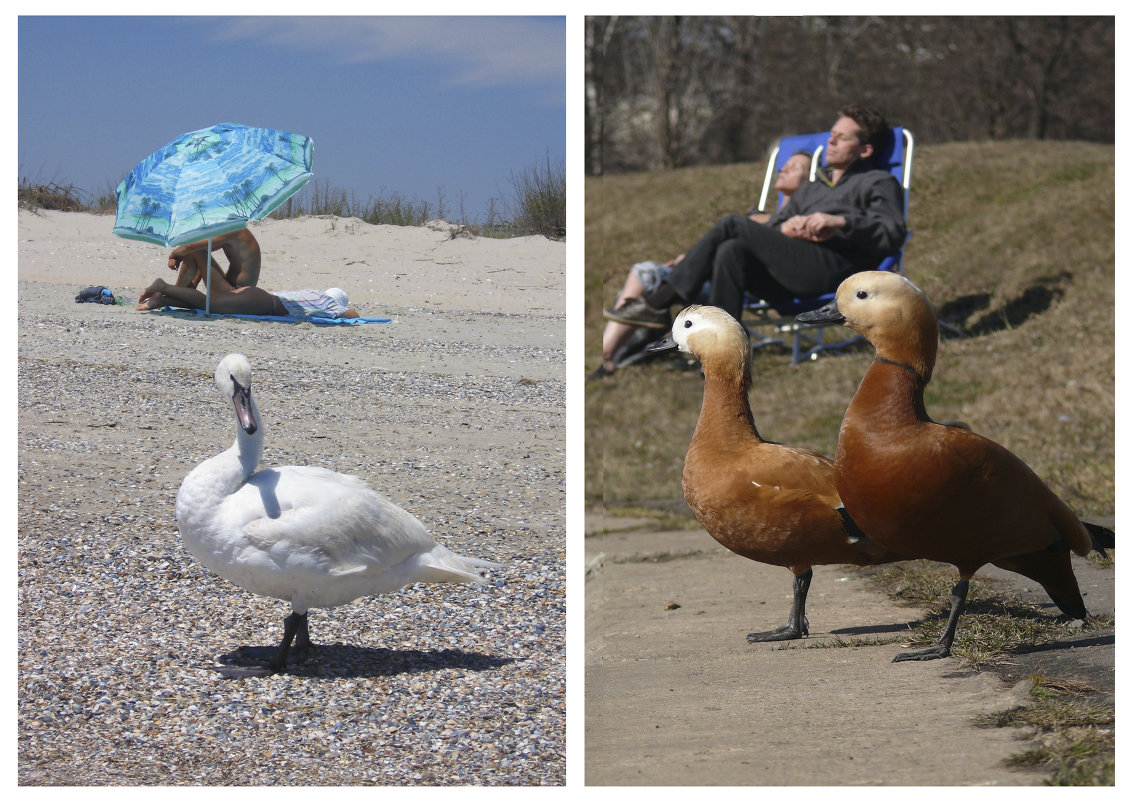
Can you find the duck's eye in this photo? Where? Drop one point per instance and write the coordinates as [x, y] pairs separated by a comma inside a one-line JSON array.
[[861, 294], [687, 324]]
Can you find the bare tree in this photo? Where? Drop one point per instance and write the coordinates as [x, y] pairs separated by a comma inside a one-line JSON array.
[[599, 32], [665, 92], [669, 68]]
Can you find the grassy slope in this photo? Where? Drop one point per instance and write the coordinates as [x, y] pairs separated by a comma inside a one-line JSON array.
[[1013, 239]]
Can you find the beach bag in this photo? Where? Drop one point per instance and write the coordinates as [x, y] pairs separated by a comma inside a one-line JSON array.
[[95, 294]]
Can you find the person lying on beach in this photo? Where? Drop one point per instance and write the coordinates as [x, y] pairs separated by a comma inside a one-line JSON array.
[[241, 250], [332, 302]]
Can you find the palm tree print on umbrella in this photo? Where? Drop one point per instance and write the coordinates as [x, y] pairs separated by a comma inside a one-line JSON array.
[[211, 182]]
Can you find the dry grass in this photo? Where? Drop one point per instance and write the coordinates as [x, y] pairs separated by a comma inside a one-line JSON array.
[[1072, 736], [540, 193], [51, 196], [1012, 240], [539, 201], [994, 624]]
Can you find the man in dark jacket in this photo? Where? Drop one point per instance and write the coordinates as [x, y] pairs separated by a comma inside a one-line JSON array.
[[847, 220]]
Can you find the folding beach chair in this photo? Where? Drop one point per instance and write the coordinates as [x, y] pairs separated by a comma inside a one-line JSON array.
[[774, 323]]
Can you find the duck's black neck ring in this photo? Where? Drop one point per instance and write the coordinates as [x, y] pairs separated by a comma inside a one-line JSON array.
[[905, 366]]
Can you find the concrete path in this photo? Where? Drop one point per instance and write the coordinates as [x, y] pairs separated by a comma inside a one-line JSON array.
[[676, 696]]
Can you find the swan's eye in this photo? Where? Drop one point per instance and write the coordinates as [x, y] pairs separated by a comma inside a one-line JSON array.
[[687, 324], [861, 294]]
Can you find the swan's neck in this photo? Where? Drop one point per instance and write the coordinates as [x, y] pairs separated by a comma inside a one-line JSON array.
[[249, 447], [216, 478]]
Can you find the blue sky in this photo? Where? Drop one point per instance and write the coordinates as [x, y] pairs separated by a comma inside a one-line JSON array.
[[405, 106]]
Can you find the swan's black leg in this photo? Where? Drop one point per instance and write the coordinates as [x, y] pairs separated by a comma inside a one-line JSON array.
[[941, 649], [798, 625], [269, 661], [302, 640], [291, 625]]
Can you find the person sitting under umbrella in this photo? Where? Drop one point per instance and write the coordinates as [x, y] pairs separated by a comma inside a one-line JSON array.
[[244, 261], [332, 302], [205, 183]]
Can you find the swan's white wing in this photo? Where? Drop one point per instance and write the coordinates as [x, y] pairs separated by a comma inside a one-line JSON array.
[[314, 515]]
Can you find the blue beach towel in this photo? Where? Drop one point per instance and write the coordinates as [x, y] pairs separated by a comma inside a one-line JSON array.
[[275, 318]]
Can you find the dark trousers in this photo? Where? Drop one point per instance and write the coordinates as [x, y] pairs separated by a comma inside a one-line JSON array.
[[739, 255]]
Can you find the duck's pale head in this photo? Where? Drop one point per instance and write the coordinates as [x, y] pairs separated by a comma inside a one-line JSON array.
[[891, 312], [715, 338]]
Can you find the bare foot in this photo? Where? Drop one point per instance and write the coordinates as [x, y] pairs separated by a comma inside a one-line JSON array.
[[158, 285], [154, 290], [151, 300]]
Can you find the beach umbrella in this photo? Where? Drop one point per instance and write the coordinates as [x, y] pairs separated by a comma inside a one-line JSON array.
[[211, 182]]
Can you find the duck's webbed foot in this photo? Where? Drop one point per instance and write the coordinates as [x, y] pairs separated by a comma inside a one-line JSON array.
[[797, 626], [788, 631], [937, 651], [941, 649]]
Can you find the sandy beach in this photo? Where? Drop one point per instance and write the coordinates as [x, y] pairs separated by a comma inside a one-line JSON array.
[[455, 410]]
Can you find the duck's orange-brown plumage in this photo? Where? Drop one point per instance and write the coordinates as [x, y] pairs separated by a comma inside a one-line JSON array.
[[769, 502], [766, 501], [937, 491], [971, 500]]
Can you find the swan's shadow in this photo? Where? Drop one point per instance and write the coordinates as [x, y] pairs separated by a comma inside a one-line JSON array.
[[351, 661]]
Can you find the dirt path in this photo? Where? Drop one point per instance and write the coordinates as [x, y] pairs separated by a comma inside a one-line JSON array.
[[676, 696]]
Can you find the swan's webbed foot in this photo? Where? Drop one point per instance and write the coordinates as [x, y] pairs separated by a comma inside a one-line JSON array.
[[249, 661], [245, 671], [302, 646], [294, 630], [269, 661]]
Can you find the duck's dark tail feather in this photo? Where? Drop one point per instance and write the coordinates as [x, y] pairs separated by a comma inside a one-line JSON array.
[[1101, 537], [1051, 568]]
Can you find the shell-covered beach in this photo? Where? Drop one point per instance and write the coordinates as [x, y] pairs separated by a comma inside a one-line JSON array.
[[455, 410]]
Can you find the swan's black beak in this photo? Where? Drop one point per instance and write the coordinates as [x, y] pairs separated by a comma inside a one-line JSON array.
[[828, 313], [660, 345], [242, 400]]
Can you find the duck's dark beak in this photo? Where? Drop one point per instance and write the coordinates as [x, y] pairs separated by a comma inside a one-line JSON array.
[[828, 313], [667, 343], [242, 400]]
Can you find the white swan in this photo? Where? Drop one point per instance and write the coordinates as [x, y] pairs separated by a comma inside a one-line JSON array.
[[306, 535]]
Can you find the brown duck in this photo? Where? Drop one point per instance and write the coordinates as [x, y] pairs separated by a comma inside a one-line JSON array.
[[772, 503], [934, 491]]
